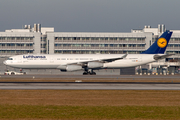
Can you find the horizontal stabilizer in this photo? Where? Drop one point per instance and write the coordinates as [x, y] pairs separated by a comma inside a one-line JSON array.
[[158, 57]]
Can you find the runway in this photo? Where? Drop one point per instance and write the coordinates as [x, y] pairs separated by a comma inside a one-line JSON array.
[[137, 82], [92, 76], [87, 86]]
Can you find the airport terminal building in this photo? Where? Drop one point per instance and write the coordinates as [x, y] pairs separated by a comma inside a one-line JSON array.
[[43, 40]]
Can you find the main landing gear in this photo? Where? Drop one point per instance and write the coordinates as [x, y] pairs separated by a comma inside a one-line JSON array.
[[89, 72]]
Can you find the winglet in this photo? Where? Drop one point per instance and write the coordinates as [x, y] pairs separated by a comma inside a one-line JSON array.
[[159, 46]]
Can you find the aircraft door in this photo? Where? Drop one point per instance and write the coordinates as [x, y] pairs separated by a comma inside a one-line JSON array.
[[52, 60], [139, 58], [20, 60]]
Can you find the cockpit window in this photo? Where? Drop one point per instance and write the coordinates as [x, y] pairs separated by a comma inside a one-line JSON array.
[[10, 58]]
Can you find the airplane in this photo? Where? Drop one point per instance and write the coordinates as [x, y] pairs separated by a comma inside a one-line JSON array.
[[90, 62]]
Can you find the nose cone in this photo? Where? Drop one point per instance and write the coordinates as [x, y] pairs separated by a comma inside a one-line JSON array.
[[5, 62]]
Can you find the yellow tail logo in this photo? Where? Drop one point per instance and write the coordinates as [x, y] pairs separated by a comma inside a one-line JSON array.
[[162, 42]]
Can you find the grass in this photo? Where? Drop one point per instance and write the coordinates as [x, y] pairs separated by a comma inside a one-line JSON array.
[[91, 97], [88, 112], [89, 104]]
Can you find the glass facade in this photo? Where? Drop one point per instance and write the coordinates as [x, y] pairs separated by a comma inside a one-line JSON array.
[[14, 45], [102, 45], [100, 39], [43, 44]]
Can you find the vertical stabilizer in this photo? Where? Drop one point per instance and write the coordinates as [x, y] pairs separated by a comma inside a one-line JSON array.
[[159, 46]]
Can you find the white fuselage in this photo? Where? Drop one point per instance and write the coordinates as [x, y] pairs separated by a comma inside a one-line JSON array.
[[53, 61]]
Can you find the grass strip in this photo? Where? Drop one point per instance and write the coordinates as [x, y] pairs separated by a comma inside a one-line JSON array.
[[88, 112], [91, 97]]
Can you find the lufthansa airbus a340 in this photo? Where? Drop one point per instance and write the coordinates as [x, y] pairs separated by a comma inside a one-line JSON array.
[[90, 62]]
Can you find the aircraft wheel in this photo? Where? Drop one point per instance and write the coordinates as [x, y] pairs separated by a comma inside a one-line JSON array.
[[84, 73]]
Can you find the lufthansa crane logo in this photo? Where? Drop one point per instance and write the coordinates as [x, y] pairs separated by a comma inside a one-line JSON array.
[[162, 42]]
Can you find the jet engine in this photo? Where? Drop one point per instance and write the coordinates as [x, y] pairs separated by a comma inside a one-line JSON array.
[[69, 68], [95, 64]]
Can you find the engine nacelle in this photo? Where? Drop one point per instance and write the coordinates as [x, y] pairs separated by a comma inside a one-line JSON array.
[[95, 65], [73, 67], [69, 68]]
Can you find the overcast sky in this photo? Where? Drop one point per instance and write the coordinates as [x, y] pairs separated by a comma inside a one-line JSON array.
[[90, 15]]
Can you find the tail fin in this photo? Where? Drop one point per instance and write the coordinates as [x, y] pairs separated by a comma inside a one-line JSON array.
[[159, 46]]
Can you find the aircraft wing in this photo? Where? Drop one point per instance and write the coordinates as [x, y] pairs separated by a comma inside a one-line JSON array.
[[100, 60], [113, 59], [158, 57]]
